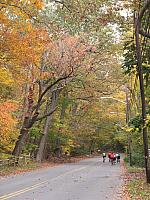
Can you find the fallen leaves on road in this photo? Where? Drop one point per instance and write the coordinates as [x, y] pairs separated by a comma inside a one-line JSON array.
[[11, 170]]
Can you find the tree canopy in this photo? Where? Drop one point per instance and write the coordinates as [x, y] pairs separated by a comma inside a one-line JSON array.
[[68, 71]]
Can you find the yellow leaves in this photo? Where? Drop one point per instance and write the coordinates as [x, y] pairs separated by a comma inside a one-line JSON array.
[[70, 142], [148, 119], [129, 130], [121, 95], [5, 77]]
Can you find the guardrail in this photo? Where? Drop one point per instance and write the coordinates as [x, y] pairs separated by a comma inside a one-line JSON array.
[[14, 161]]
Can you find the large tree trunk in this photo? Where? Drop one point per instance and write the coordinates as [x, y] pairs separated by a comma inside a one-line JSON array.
[[142, 92], [32, 113], [20, 142], [26, 125], [40, 153]]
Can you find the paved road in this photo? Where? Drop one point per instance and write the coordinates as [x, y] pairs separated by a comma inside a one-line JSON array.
[[87, 180]]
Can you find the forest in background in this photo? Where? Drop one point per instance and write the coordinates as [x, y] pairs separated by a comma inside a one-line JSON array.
[[69, 78]]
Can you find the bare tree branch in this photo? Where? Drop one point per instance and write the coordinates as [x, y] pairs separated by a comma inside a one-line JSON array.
[[37, 106], [88, 98], [46, 115]]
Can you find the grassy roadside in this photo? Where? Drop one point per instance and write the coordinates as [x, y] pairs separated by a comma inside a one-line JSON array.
[[11, 170], [136, 185]]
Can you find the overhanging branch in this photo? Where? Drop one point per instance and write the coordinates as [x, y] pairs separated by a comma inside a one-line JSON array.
[[141, 14], [46, 115], [40, 99], [50, 86]]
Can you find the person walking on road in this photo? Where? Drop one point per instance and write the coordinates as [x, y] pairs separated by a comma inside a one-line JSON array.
[[118, 157], [109, 154], [104, 157], [113, 158]]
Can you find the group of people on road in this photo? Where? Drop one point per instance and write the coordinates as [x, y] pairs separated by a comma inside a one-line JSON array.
[[113, 157]]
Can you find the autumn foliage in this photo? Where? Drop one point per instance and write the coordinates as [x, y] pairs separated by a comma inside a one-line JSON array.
[[48, 52], [22, 45], [8, 125]]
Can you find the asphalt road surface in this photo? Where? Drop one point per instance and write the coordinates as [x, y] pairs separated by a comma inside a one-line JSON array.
[[88, 179]]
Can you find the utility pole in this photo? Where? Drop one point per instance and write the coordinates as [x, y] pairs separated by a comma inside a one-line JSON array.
[[140, 73]]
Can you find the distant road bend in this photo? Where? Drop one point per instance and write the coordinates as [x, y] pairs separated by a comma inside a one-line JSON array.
[[88, 179]]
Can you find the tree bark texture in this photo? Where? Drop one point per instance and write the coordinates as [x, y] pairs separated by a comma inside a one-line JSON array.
[[26, 125], [140, 73], [40, 153]]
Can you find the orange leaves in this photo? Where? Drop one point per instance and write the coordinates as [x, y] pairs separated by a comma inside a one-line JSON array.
[[39, 4], [6, 109], [7, 122], [35, 42], [21, 49], [22, 46], [22, 43]]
